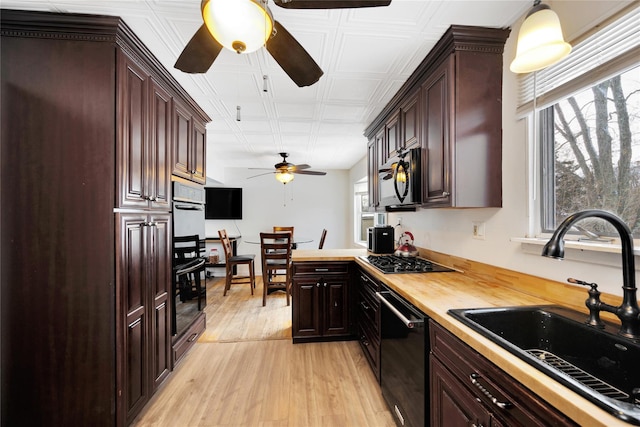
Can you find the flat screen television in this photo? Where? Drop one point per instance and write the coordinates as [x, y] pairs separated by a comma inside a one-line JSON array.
[[223, 203]]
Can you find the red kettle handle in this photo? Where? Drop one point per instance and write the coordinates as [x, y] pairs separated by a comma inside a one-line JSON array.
[[410, 235]]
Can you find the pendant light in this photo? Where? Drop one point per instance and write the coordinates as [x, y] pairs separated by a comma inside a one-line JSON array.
[[242, 26], [540, 41]]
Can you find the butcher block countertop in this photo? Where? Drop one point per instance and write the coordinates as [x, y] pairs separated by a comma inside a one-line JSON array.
[[435, 293]]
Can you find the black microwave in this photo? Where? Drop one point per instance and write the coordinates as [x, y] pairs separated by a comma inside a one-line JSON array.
[[399, 180]]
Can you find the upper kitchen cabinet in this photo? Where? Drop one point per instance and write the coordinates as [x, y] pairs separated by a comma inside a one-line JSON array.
[[145, 139], [462, 120], [451, 106], [189, 150], [410, 122]]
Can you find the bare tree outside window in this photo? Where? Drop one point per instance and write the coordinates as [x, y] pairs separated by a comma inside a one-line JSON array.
[[596, 154]]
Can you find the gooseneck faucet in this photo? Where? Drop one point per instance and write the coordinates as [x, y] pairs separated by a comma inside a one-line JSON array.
[[628, 312]]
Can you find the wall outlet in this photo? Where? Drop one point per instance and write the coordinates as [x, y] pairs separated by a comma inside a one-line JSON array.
[[478, 230], [399, 222]]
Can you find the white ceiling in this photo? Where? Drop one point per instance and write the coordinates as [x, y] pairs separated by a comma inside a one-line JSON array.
[[366, 55]]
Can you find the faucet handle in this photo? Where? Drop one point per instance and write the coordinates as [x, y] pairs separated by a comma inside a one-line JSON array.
[[593, 303], [593, 286]]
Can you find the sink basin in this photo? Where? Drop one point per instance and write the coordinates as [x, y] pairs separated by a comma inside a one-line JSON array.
[[596, 363]]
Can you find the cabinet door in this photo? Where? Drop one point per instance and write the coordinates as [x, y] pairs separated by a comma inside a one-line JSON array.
[[199, 153], [393, 140], [159, 148], [436, 103], [452, 405], [159, 258], [306, 306], [181, 140], [133, 384], [410, 122], [382, 150], [335, 306], [132, 136]]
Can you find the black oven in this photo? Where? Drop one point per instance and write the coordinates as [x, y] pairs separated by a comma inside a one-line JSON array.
[[399, 180], [403, 359], [187, 210]]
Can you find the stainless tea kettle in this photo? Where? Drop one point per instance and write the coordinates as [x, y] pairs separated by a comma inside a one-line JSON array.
[[406, 248]]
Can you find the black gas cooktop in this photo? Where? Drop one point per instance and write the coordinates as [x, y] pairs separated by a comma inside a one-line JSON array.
[[390, 264]]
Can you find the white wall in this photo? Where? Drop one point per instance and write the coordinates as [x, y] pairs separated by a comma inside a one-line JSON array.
[[450, 230], [309, 203]]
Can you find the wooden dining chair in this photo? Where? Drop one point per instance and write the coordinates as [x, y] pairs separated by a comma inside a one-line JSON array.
[[290, 229], [275, 250], [232, 261], [322, 237]]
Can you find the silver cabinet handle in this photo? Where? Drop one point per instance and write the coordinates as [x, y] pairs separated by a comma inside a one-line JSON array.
[[502, 405], [445, 193]]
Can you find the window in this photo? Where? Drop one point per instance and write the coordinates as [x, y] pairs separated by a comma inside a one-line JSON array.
[[590, 145], [587, 108], [363, 219]]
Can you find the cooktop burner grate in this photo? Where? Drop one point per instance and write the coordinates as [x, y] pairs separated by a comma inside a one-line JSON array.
[[579, 375], [395, 264]]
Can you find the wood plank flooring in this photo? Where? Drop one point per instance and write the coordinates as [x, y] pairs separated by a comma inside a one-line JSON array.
[[245, 371]]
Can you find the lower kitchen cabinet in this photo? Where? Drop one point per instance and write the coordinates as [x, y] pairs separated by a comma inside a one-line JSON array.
[[368, 319], [143, 292], [467, 389], [321, 308]]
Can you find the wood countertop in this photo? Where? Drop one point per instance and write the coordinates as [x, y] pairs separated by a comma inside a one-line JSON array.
[[435, 293]]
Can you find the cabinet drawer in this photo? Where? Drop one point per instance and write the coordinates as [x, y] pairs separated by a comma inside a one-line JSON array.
[[368, 285], [320, 268], [186, 341], [371, 349], [523, 406], [369, 311]]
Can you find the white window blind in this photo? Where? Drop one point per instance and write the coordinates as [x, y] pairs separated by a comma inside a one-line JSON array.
[[609, 51]]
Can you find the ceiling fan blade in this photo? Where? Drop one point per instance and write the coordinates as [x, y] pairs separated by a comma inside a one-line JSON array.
[[330, 4], [291, 56], [306, 172], [199, 53], [260, 174], [302, 166]]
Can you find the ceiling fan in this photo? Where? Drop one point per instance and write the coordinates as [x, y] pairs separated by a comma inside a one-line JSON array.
[[244, 26], [285, 170]]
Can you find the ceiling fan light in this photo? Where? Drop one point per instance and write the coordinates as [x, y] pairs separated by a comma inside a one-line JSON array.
[[242, 26], [540, 41], [284, 176]]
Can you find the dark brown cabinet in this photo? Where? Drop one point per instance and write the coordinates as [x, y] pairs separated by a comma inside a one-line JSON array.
[[467, 389], [368, 319], [86, 164], [437, 170], [189, 150], [462, 121], [143, 290], [410, 122], [393, 137], [321, 308], [451, 107], [145, 113]]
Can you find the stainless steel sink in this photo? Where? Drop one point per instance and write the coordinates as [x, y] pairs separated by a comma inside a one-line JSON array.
[[596, 363]]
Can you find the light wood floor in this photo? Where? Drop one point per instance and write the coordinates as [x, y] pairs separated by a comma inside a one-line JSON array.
[[245, 371]]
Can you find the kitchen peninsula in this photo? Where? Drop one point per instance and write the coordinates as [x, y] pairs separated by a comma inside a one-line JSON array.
[[480, 285]]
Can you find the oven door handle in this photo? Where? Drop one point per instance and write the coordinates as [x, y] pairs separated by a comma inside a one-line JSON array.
[[191, 268], [408, 323], [189, 207]]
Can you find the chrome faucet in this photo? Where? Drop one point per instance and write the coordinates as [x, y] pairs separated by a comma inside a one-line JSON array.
[[628, 312]]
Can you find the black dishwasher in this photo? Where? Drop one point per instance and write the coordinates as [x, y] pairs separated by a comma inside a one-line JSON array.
[[403, 350]]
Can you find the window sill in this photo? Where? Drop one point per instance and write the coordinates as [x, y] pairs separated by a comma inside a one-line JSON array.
[[593, 252]]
